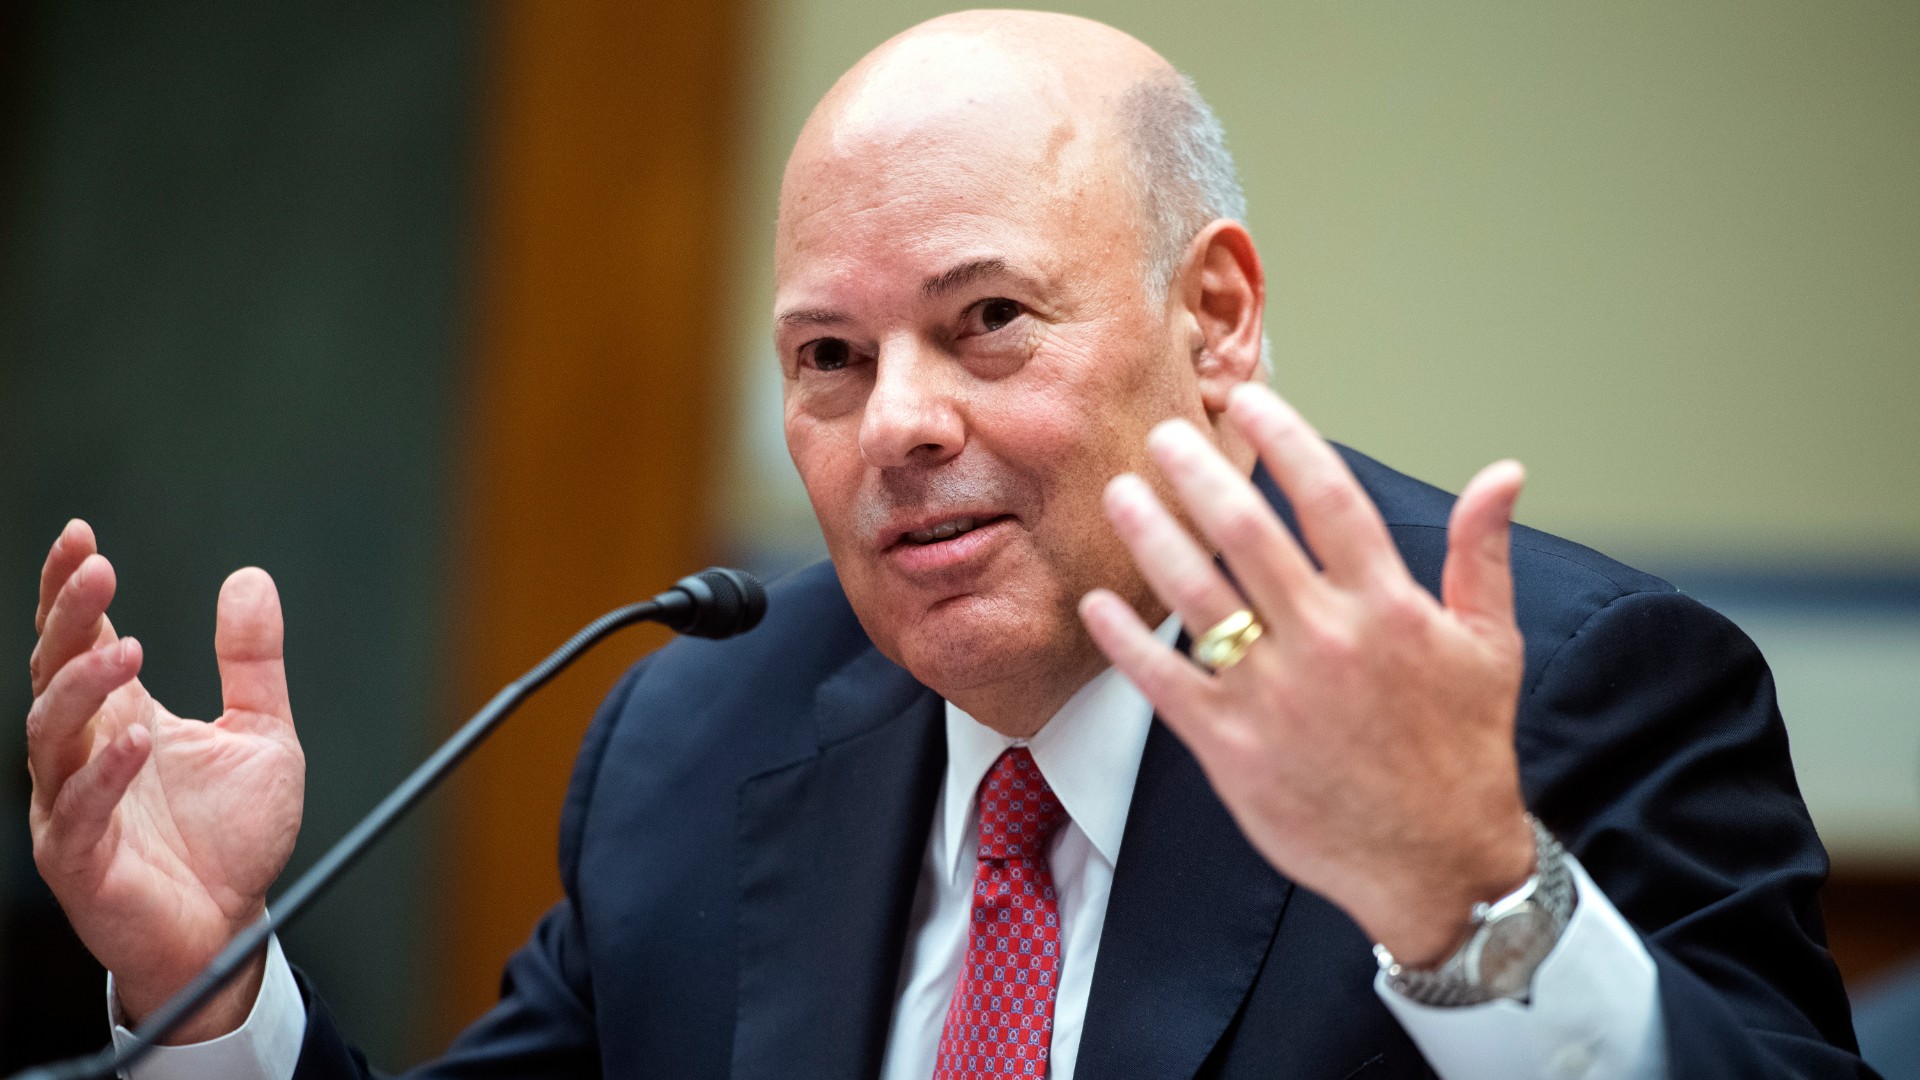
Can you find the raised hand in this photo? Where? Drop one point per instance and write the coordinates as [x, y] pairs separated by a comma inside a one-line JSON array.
[[1364, 743], [158, 835]]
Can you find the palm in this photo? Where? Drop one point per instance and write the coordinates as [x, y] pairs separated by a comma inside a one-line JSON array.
[[203, 830]]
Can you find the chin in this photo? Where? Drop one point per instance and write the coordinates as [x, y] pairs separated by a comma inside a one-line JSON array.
[[974, 641]]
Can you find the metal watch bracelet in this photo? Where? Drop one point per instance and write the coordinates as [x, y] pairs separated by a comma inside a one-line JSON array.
[[1528, 920]]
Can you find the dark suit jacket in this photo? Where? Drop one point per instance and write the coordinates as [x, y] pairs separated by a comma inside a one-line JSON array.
[[746, 819]]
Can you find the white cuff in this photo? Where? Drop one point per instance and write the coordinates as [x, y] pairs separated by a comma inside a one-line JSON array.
[[266, 1047], [1595, 1011]]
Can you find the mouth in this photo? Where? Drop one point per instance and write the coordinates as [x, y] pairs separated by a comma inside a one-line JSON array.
[[945, 530], [932, 533], [948, 545]]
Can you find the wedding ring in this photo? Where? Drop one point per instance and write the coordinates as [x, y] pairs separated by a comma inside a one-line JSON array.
[[1227, 641]]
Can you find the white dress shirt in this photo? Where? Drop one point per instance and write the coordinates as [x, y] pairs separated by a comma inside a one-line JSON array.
[[1594, 1015]]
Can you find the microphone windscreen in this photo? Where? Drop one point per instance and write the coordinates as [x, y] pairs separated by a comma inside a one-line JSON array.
[[734, 603]]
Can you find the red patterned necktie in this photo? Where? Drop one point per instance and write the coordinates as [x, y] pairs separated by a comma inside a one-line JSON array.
[[1000, 1022]]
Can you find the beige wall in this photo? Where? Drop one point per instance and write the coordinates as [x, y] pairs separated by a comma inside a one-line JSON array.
[[1667, 255]]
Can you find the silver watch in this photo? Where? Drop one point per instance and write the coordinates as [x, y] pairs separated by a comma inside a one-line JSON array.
[[1511, 936]]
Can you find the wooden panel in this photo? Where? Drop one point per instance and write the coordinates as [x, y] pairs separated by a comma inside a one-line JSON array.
[[590, 426], [1873, 923]]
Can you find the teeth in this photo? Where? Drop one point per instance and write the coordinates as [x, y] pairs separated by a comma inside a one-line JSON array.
[[946, 530]]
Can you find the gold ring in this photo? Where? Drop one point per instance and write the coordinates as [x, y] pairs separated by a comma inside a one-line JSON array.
[[1227, 641]]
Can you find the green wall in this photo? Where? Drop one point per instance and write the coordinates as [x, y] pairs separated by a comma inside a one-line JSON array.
[[232, 282], [1668, 255]]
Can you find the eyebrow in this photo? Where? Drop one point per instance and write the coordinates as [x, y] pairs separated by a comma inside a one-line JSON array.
[[965, 273], [811, 317], [934, 287]]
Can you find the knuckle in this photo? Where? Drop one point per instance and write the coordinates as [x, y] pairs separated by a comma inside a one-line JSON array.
[[1242, 526], [1335, 646], [1402, 611], [1324, 496], [49, 857], [1157, 678], [1191, 591], [1511, 644]]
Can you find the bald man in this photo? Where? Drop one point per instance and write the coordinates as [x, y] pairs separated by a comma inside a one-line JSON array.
[[1131, 731]]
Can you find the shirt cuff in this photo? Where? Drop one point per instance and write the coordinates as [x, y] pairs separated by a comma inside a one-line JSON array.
[[1595, 1009], [266, 1047]]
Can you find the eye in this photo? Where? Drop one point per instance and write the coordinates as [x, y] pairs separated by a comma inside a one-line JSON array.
[[826, 354], [995, 313]]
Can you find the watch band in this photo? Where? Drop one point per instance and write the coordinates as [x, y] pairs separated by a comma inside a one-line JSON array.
[[1540, 909]]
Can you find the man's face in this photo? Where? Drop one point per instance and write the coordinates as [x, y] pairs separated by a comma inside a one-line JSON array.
[[970, 352]]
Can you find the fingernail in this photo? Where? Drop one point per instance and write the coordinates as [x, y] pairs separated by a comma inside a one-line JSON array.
[[1125, 488], [1176, 428], [1249, 395], [128, 649], [1173, 442]]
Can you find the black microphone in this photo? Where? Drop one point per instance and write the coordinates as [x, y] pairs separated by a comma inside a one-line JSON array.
[[715, 603]]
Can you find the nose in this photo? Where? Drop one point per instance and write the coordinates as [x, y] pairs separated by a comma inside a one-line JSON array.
[[911, 414]]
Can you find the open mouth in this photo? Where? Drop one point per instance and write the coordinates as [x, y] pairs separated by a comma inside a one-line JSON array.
[[946, 530]]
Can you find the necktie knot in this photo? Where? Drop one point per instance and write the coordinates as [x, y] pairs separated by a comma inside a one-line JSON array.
[[1018, 811]]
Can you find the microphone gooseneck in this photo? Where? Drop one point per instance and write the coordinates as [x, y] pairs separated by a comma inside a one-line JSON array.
[[715, 603]]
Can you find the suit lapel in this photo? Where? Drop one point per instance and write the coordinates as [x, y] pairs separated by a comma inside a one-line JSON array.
[[1190, 922], [829, 850]]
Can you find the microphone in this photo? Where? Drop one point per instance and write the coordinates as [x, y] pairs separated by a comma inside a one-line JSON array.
[[715, 603]]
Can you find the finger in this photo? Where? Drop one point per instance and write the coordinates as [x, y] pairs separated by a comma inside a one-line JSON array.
[[69, 549], [1266, 561], [1179, 572], [248, 640], [58, 742], [85, 807], [75, 623], [1340, 523], [1477, 582], [1175, 686]]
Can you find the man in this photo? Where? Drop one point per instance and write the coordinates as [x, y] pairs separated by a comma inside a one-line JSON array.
[[933, 832]]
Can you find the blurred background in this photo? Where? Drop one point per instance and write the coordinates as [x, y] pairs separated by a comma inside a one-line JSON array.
[[454, 316]]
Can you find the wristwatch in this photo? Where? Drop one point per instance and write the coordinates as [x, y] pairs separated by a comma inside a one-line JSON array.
[[1511, 936]]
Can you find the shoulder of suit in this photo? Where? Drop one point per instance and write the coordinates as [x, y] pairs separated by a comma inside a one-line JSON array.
[[809, 632], [1417, 513], [759, 679]]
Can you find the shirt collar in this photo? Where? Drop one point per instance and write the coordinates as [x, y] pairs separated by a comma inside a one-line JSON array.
[[1089, 752]]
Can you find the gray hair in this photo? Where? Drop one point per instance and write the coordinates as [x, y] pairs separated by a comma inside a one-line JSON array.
[[1181, 171], [1182, 174]]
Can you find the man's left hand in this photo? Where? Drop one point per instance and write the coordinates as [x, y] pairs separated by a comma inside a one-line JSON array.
[[1364, 743]]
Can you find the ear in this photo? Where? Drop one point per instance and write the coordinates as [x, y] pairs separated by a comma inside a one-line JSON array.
[[1223, 290]]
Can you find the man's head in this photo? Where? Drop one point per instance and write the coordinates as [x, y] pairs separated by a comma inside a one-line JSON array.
[[1008, 246]]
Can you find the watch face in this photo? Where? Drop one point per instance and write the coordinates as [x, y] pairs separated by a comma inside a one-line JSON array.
[[1513, 948]]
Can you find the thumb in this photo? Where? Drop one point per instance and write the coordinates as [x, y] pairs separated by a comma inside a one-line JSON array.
[[1477, 583], [247, 638]]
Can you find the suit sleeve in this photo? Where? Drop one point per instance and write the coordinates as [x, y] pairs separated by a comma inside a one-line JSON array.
[[543, 1026], [1654, 747]]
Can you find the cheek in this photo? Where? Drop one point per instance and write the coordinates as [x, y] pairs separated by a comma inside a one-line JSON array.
[[1084, 415], [828, 464]]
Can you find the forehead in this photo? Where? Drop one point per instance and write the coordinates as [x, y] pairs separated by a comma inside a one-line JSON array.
[[908, 211], [896, 175]]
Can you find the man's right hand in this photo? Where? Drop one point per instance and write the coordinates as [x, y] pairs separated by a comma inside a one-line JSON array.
[[159, 835]]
